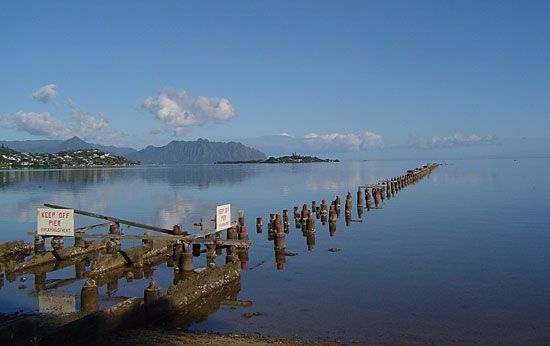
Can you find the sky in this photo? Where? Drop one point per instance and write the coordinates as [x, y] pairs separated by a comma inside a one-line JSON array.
[[351, 79]]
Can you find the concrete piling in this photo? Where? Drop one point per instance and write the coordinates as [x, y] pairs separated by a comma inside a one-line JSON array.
[[367, 198], [185, 262], [147, 242], [79, 268], [280, 242], [348, 204], [310, 241], [304, 214], [79, 242], [332, 214], [177, 249], [332, 228], [176, 229], [243, 235], [286, 225], [89, 297], [231, 233], [310, 223], [259, 224], [39, 244], [210, 256], [231, 255], [57, 243], [241, 218], [280, 258], [243, 256], [151, 293]]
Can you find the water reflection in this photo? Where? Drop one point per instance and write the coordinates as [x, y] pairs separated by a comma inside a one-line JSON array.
[[201, 176]]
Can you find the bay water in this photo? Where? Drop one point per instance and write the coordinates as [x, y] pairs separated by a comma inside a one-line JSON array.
[[461, 256]]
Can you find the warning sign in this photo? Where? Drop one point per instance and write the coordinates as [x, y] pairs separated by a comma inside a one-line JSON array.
[[223, 217], [55, 222]]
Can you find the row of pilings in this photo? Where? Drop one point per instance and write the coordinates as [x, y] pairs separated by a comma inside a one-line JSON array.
[[304, 219]]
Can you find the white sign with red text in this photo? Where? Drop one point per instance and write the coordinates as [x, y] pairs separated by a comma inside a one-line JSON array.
[[55, 222], [223, 217]]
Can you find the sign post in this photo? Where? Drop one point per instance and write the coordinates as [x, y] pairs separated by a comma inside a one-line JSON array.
[[223, 217], [56, 222]]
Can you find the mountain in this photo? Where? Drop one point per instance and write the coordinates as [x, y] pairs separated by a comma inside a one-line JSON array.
[[199, 151], [55, 146], [175, 152], [33, 146]]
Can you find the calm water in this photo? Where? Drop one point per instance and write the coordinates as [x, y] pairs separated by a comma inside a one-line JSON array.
[[462, 256]]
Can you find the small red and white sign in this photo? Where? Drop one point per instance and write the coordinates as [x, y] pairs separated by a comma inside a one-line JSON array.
[[223, 217], [55, 222]]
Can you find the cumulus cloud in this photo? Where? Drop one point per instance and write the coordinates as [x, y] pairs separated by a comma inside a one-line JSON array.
[[459, 139], [336, 142], [178, 111], [89, 127], [313, 143], [80, 124], [38, 124], [46, 93]]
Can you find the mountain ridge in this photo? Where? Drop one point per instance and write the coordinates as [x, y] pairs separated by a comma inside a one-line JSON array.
[[175, 152]]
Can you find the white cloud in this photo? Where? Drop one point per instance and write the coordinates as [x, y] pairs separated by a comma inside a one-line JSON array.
[[80, 124], [38, 124], [336, 142], [460, 140], [313, 143], [46, 93], [178, 111], [87, 126]]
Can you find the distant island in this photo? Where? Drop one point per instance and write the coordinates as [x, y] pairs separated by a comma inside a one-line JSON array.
[[294, 158], [10, 158]]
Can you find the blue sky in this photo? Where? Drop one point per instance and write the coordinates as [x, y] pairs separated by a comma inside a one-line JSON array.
[[360, 79]]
